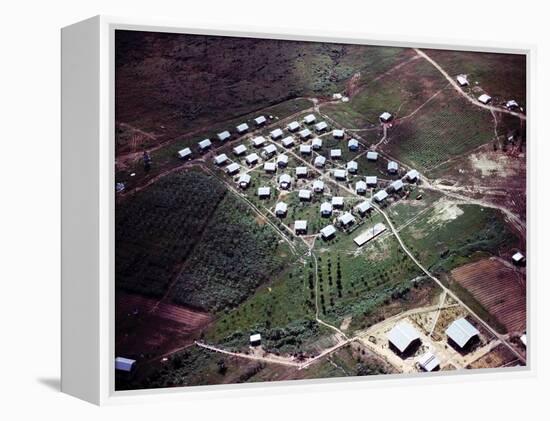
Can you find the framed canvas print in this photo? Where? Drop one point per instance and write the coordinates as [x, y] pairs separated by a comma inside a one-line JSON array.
[[284, 210]]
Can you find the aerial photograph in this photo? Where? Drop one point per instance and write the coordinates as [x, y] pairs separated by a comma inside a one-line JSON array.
[[295, 210]]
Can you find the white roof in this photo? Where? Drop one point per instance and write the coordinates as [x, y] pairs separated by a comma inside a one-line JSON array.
[[326, 207], [285, 178], [224, 135], [363, 206], [512, 103], [318, 185], [256, 337], [337, 201], [242, 127], [251, 158], [428, 361], [385, 116], [271, 148], [402, 335], [335, 153], [288, 141], [371, 179], [523, 339], [232, 167], [257, 141], [317, 142], [319, 161], [220, 159], [203, 144], [304, 194], [517, 257], [352, 166], [260, 120], [239, 149], [484, 98], [305, 133], [372, 155], [339, 173], [264, 191], [346, 218], [360, 186], [293, 126], [244, 178], [281, 207], [270, 166], [310, 118], [338, 133], [412, 175], [124, 364], [328, 231], [184, 152], [369, 234], [300, 225], [275, 134], [392, 165], [397, 185], [301, 170], [321, 126], [337, 96], [305, 148], [461, 79], [381, 195], [461, 331], [353, 143], [282, 158]]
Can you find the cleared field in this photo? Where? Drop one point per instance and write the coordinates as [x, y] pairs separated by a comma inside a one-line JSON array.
[[498, 357], [446, 127], [499, 288]]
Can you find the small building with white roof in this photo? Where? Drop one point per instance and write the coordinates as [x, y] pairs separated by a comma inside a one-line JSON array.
[[338, 134], [319, 161], [321, 127], [244, 180], [310, 118], [317, 143], [380, 196], [270, 150], [300, 227], [255, 339], [264, 192], [281, 209], [205, 144], [392, 167], [518, 258], [184, 153], [288, 141], [261, 120], [223, 136], [326, 209], [242, 128], [318, 186], [328, 232], [462, 80], [239, 150], [512, 104], [336, 153], [428, 362], [412, 176], [353, 144], [304, 134], [360, 187], [304, 194], [346, 219], [371, 180], [352, 167], [337, 202], [270, 167], [403, 336], [293, 126], [232, 168], [305, 149], [124, 364], [372, 156], [397, 185], [484, 99], [285, 181], [385, 117], [220, 159], [301, 172], [276, 134], [461, 332], [252, 158], [340, 174], [282, 160], [258, 141], [363, 207]]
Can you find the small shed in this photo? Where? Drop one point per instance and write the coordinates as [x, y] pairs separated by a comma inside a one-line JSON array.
[[285, 181], [255, 339], [372, 156], [328, 232], [300, 227], [220, 159], [484, 99], [363, 207], [304, 134], [340, 174], [385, 117], [288, 141], [337, 202], [371, 180], [512, 104], [461, 332], [317, 143], [223, 136], [282, 160], [124, 364], [301, 172], [239, 150], [353, 144], [462, 80], [397, 185], [518, 258], [380, 196], [412, 176], [244, 180], [264, 192], [232, 168], [205, 144], [270, 167], [258, 141], [280, 209], [338, 134], [260, 121], [310, 118], [428, 362], [305, 149], [403, 336], [276, 134], [319, 161], [318, 186], [336, 153], [360, 187], [184, 153], [304, 194], [352, 166], [242, 128], [392, 167], [252, 158], [346, 219], [293, 126], [270, 150], [326, 209], [321, 127]]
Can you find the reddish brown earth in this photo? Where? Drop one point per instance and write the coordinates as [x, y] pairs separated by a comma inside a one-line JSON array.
[[497, 287], [146, 327]]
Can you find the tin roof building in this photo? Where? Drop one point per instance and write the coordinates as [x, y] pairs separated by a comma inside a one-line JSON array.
[[321, 127], [461, 332], [184, 153], [305, 149], [484, 99], [239, 150], [242, 128], [293, 126], [284, 181], [232, 168], [288, 141], [353, 144], [270, 149], [360, 187], [124, 364], [301, 171], [319, 161], [205, 144], [372, 156], [392, 167], [300, 226], [326, 209], [346, 219], [220, 159], [385, 117], [352, 166], [223, 136], [317, 143], [260, 120], [310, 118], [462, 81], [276, 134], [328, 232], [428, 362], [270, 167], [244, 180], [258, 141], [402, 336], [380, 196], [337, 201], [264, 192], [282, 160], [252, 158], [281, 209], [336, 153], [318, 186], [304, 134], [338, 134], [371, 180], [304, 194]]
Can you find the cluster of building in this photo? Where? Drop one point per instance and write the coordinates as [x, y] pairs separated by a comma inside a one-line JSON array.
[[462, 81]]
